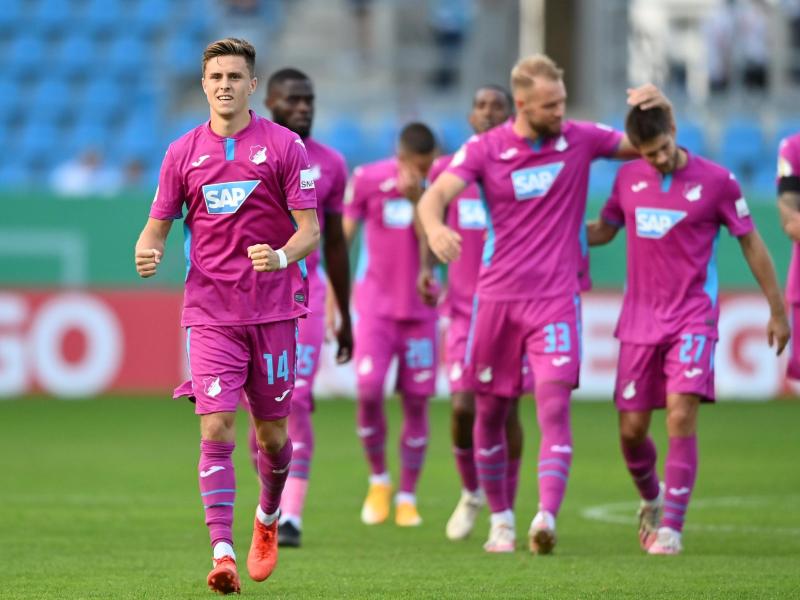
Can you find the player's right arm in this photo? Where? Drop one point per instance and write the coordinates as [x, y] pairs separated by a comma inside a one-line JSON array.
[[443, 241], [612, 219], [150, 246], [600, 232]]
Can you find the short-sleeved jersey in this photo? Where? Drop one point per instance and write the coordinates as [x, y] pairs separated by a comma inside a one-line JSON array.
[[466, 215], [329, 172], [388, 265], [673, 224], [238, 192], [789, 166], [535, 192]]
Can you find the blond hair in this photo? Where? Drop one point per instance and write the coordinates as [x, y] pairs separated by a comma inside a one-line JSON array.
[[535, 65], [231, 47]]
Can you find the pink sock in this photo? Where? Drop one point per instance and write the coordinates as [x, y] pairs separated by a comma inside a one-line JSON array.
[[217, 488], [555, 448], [273, 469], [302, 435], [680, 472], [512, 480], [465, 462], [372, 429], [641, 462], [489, 437], [413, 441]]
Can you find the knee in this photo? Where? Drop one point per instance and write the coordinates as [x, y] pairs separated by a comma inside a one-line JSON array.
[[680, 420], [218, 427], [553, 414], [272, 438], [632, 435]]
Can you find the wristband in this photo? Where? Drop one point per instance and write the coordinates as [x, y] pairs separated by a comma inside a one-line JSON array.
[[282, 260]]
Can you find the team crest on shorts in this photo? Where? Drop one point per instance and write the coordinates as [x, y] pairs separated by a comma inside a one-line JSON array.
[[258, 154]]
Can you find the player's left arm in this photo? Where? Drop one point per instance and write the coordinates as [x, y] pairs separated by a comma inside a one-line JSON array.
[[304, 240], [338, 267], [645, 96], [599, 232], [763, 269]]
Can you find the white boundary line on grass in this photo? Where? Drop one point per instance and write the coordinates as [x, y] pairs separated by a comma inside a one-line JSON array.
[[609, 513]]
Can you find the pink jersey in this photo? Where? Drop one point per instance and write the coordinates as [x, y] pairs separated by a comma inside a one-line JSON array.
[[789, 166], [329, 171], [536, 198], [238, 191], [388, 267], [673, 225], [466, 215]]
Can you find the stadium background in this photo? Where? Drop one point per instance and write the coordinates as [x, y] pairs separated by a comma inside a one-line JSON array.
[[118, 79], [99, 497]]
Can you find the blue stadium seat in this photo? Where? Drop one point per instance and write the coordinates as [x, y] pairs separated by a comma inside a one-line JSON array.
[[126, 53], [12, 17], [54, 16], [691, 136], [103, 16], [346, 136], [601, 178], [148, 17], [104, 98], [26, 53], [381, 140], [184, 52], [76, 54], [38, 141], [53, 99], [88, 132], [742, 148], [452, 133], [138, 137], [14, 175]]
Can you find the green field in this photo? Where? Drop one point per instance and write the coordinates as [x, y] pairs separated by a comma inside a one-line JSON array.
[[99, 500]]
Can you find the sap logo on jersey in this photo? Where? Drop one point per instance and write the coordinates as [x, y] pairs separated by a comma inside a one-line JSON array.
[[226, 198], [656, 222], [535, 182], [471, 214], [398, 213]]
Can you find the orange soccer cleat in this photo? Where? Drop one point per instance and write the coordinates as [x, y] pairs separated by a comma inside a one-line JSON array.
[[224, 578], [263, 555]]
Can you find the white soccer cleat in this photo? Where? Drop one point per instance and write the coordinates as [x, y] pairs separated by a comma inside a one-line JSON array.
[[668, 541], [502, 537], [649, 517], [542, 533], [462, 521]]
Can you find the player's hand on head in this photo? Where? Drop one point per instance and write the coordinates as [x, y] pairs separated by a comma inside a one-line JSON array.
[[147, 260], [445, 243], [778, 332], [409, 184], [264, 258], [647, 96]]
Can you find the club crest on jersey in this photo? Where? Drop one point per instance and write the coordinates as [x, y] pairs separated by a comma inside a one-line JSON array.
[[471, 214], [398, 213], [258, 154], [226, 198], [693, 191], [535, 182], [655, 223]]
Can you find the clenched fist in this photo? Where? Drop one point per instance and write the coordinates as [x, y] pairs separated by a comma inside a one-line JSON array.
[[264, 258], [147, 260]]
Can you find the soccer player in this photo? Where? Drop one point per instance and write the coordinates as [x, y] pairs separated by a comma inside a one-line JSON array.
[[789, 208], [672, 204], [391, 319], [491, 106], [290, 100], [534, 173], [250, 219]]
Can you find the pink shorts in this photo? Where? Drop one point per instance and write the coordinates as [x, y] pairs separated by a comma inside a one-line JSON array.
[[647, 373], [311, 332], [546, 331], [379, 339], [459, 373], [256, 359], [793, 367]]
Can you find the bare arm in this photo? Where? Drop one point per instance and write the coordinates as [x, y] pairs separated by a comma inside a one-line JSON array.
[[760, 262], [150, 246], [599, 232], [300, 245], [443, 241], [788, 203], [338, 268]]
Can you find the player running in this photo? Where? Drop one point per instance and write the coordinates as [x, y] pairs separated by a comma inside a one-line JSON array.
[[672, 204], [250, 219], [491, 106], [534, 173], [789, 208], [391, 319], [290, 100]]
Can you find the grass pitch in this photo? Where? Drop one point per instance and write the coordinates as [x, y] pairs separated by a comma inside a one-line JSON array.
[[99, 500]]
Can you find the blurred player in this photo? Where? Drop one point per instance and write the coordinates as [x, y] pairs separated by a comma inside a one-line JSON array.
[[491, 106], [391, 319], [789, 208], [673, 204], [250, 219], [290, 100], [534, 173]]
